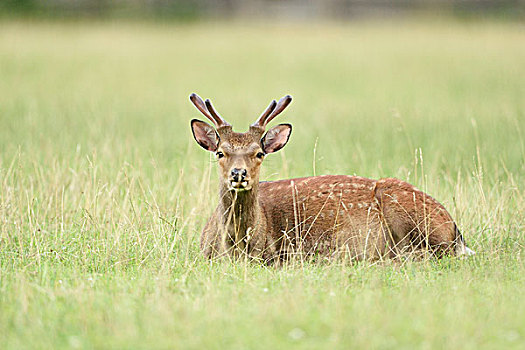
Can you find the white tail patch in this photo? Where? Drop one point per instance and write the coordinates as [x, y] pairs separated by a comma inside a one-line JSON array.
[[469, 251], [464, 251]]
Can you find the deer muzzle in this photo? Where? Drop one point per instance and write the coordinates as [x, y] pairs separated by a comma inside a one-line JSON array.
[[239, 180]]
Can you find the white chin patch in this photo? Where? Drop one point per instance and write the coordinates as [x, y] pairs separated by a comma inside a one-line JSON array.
[[239, 186]]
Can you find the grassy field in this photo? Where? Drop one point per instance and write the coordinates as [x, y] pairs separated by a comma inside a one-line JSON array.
[[103, 191]]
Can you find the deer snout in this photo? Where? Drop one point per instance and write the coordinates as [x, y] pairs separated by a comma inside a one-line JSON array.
[[238, 178], [238, 175]]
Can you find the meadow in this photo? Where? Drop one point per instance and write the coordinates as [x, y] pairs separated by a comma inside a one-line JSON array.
[[103, 191]]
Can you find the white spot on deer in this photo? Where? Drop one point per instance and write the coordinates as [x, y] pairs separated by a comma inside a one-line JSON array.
[[355, 185], [330, 213], [347, 191], [321, 215], [350, 205], [320, 194], [359, 205], [341, 185], [322, 186]]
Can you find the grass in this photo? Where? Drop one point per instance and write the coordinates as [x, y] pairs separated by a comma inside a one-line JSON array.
[[103, 191]]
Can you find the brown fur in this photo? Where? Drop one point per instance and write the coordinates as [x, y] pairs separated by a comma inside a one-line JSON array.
[[330, 215]]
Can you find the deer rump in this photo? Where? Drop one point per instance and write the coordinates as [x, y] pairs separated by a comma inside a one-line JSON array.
[[329, 215]]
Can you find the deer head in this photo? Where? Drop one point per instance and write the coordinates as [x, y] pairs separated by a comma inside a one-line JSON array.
[[240, 155]]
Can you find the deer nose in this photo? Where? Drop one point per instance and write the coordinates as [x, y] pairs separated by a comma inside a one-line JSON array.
[[238, 175]]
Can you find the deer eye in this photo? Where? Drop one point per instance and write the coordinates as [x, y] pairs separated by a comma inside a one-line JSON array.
[[260, 155], [219, 154]]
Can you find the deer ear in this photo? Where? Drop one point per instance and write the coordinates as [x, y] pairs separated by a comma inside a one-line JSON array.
[[205, 135], [276, 138]]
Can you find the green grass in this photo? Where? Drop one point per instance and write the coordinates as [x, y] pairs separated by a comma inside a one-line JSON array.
[[103, 191]]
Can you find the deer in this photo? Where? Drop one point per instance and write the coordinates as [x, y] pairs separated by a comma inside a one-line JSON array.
[[323, 216]]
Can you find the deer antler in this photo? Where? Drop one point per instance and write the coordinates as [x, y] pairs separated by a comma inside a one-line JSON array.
[[273, 110], [208, 111]]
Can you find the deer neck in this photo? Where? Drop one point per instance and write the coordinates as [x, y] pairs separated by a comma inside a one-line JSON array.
[[240, 213]]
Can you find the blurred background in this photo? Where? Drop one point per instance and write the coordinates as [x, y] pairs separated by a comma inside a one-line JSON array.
[[284, 9], [374, 82]]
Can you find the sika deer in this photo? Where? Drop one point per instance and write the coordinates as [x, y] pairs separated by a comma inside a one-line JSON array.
[[329, 215]]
